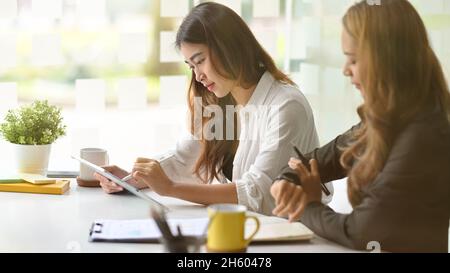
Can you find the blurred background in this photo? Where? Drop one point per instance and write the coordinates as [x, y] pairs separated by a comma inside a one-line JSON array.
[[112, 67]]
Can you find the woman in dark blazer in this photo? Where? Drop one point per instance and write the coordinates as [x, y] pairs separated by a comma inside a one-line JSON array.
[[397, 159]]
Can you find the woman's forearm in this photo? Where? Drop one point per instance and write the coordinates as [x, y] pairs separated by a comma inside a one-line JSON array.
[[205, 194]]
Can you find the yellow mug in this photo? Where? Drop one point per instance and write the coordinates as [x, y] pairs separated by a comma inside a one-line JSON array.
[[226, 230]]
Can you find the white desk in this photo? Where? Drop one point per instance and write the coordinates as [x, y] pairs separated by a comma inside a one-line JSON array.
[[60, 223]]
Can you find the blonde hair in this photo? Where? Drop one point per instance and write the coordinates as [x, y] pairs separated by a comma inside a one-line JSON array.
[[400, 76]]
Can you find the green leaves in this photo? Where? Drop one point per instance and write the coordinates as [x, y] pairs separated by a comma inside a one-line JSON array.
[[37, 124]]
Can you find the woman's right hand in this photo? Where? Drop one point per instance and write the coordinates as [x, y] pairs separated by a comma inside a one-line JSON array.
[[288, 199], [291, 199], [110, 187]]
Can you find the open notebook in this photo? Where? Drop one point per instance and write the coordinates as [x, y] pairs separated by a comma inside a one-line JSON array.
[[146, 231]]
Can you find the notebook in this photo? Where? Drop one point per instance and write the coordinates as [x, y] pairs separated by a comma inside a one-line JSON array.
[[18, 185], [26, 177], [146, 231], [275, 232]]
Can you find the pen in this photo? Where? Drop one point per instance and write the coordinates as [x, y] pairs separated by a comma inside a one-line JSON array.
[[130, 176], [306, 163], [162, 224], [179, 231], [173, 244]]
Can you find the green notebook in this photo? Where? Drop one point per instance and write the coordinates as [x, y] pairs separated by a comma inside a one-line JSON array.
[[10, 179], [25, 177]]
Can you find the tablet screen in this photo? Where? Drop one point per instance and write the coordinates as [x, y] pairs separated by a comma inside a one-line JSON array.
[[123, 184]]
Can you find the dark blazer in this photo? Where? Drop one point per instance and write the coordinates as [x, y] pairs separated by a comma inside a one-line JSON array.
[[407, 207]]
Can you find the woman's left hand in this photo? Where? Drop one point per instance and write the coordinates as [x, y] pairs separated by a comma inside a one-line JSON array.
[[149, 171], [310, 179]]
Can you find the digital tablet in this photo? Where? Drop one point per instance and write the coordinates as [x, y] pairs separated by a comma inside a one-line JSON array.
[[155, 204]]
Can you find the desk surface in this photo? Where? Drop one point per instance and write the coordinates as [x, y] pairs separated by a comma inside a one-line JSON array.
[[60, 223]]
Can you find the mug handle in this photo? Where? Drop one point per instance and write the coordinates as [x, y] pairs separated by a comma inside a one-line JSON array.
[[249, 239]]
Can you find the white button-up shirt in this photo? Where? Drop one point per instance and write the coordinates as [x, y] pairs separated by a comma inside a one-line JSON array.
[[282, 117]]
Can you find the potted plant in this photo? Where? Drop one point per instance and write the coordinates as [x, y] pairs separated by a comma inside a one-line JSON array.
[[31, 130]]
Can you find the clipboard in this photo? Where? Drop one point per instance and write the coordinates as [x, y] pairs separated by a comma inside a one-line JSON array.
[[142, 230], [146, 231], [96, 231], [155, 204]]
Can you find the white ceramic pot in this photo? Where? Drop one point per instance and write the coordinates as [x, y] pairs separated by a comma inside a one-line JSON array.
[[32, 158]]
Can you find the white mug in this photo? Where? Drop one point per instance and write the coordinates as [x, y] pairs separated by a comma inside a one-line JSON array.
[[96, 156]]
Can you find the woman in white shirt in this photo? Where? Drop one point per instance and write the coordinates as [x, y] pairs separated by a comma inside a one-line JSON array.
[[242, 150]]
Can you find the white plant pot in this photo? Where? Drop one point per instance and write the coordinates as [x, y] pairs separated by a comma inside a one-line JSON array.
[[32, 158]]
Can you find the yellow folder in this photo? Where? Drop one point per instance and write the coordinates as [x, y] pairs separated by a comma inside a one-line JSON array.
[[60, 187]]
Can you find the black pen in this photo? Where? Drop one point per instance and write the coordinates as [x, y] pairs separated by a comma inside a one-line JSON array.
[[179, 231], [306, 163]]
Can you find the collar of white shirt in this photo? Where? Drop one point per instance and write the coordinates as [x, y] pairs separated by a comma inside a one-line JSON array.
[[262, 89]]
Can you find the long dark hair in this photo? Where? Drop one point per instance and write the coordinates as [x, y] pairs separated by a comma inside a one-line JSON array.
[[235, 54]]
